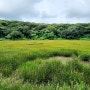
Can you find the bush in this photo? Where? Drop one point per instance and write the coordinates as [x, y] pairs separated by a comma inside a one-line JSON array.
[[15, 35], [73, 32]]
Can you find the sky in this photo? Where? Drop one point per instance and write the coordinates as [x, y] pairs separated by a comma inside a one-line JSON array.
[[46, 11]]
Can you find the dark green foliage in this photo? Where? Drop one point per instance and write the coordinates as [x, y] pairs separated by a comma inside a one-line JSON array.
[[14, 35], [19, 30], [2, 32], [73, 32]]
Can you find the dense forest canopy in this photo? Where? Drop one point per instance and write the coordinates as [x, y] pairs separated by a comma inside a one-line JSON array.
[[27, 30]]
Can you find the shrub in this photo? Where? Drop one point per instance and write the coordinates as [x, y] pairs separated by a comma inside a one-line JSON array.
[[15, 35], [73, 32]]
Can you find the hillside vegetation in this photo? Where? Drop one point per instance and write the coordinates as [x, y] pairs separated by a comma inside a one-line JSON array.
[[34, 31]]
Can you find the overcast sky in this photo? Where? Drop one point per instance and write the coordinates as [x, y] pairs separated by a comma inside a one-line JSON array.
[[46, 11]]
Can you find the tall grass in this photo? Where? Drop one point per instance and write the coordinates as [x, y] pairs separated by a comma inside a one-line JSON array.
[[25, 65], [55, 72], [48, 75], [15, 53]]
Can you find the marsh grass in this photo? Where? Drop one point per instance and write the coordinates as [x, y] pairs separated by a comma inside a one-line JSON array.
[[26, 65], [54, 72], [85, 57], [14, 84], [43, 75]]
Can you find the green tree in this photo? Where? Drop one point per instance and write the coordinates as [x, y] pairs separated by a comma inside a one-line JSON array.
[[15, 35]]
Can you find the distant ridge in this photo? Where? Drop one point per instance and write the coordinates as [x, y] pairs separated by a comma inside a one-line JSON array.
[[34, 31]]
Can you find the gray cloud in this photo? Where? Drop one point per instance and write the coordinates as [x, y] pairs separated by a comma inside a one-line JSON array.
[[78, 9], [46, 15], [11, 9], [47, 11]]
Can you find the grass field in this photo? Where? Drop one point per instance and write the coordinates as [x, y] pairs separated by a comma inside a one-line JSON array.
[[42, 65]]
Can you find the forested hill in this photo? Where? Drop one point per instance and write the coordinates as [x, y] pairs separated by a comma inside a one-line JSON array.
[[26, 30]]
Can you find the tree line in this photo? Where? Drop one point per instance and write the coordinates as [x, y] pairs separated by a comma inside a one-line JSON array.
[[30, 30]]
